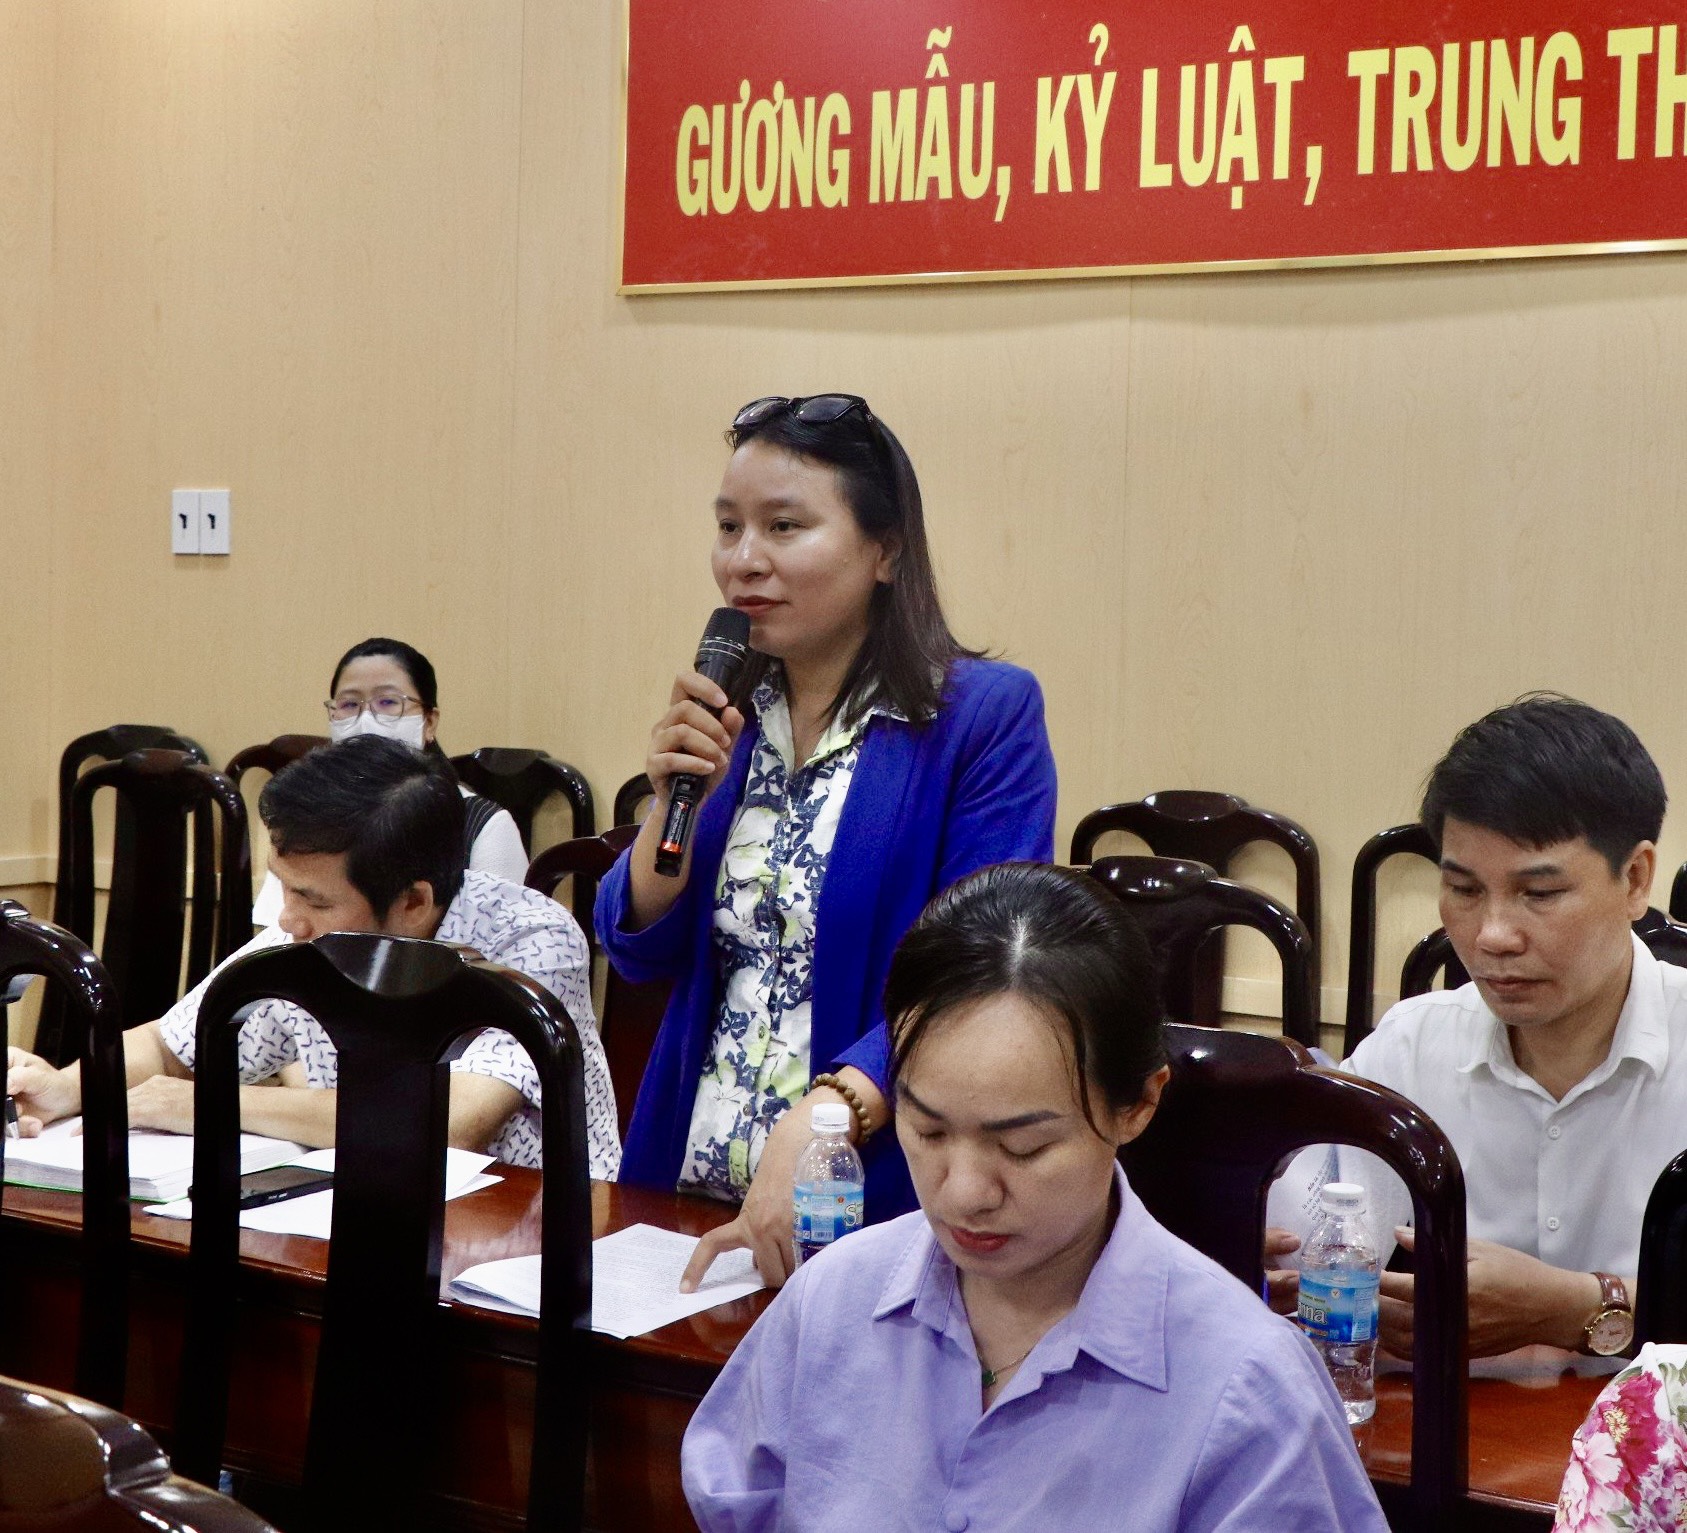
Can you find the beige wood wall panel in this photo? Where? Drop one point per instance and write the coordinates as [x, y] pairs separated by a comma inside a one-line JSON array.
[[28, 83], [1431, 492], [289, 230], [355, 259]]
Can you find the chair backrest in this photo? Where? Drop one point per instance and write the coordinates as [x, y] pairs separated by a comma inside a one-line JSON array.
[[632, 1012], [521, 780], [1180, 904], [79, 1467], [632, 799], [585, 859], [1431, 956], [28, 946], [159, 792], [1237, 1109], [1398, 840], [1207, 827], [1666, 938], [396, 1010], [111, 744], [272, 755], [1660, 1306], [1434, 952]]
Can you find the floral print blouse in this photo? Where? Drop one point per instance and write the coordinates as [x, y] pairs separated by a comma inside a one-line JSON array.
[[1628, 1460], [765, 899]]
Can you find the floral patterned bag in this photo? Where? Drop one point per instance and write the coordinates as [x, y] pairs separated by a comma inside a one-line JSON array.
[[1628, 1460]]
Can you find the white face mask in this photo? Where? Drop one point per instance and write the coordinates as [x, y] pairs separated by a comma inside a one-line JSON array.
[[408, 729]]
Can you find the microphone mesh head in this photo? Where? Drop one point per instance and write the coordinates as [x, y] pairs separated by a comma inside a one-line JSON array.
[[726, 641]]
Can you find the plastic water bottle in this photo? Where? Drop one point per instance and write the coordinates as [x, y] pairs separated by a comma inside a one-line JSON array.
[[829, 1196], [1338, 1296]]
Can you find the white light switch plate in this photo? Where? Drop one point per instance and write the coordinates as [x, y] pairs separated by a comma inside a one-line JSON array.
[[213, 521], [184, 521]]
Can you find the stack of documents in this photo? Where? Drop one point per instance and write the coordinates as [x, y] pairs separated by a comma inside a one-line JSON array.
[[160, 1165], [635, 1281]]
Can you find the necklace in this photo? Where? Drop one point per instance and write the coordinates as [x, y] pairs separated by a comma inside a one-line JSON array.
[[990, 1375]]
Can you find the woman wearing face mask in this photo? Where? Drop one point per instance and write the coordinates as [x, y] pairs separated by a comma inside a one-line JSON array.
[[386, 687], [879, 762], [1030, 1349]]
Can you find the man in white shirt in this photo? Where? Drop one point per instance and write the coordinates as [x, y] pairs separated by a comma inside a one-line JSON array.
[[1560, 1072], [366, 836]]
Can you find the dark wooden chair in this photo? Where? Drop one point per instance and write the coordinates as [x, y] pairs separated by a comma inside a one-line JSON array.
[[632, 800], [1666, 938], [160, 793], [28, 946], [110, 744], [1678, 894], [521, 780], [1212, 828], [73, 1466], [1237, 1109], [270, 758], [1433, 955], [1660, 1305], [632, 1013], [584, 859], [396, 1010], [272, 755], [1397, 841], [1180, 904]]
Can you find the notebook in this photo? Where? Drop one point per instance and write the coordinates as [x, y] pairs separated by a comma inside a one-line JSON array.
[[160, 1165]]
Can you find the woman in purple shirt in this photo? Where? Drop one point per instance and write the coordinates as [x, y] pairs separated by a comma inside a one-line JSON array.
[[1030, 1350]]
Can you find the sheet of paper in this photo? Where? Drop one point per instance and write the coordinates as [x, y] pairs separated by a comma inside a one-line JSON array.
[[510, 1285], [635, 1281], [313, 1214]]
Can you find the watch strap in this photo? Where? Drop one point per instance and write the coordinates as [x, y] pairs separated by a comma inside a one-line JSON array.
[[1613, 1293], [1614, 1302]]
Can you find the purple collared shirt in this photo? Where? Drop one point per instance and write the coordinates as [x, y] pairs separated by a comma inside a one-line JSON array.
[[1170, 1398]]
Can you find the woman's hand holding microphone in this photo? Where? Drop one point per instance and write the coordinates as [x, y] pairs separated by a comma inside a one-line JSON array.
[[689, 751]]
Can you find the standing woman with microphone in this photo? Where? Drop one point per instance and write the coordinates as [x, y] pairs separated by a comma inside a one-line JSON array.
[[865, 761]]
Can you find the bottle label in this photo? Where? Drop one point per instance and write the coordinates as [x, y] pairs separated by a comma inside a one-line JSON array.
[[826, 1211], [1339, 1307]]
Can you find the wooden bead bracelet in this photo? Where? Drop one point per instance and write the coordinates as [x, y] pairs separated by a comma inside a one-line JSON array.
[[857, 1107]]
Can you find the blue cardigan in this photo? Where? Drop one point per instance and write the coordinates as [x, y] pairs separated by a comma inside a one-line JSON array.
[[927, 805]]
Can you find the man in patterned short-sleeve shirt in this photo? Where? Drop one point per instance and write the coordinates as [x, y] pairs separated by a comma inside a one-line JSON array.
[[367, 836]]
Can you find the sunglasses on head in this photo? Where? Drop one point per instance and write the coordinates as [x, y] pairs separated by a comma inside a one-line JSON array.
[[815, 410]]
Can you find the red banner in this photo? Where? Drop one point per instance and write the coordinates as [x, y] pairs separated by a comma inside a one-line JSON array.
[[840, 141]]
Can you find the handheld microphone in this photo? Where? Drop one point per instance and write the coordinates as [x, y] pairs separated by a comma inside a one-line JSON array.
[[720, 657]]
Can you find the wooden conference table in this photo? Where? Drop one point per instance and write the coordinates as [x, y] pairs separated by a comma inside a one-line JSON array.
[[646, 1387]]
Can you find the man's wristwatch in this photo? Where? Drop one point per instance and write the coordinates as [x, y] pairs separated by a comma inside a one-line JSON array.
[[1611, 1330]]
